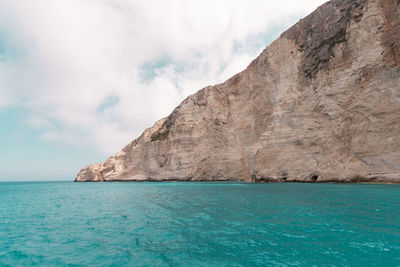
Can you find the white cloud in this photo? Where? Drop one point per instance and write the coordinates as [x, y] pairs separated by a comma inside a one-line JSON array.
[[74, 56]]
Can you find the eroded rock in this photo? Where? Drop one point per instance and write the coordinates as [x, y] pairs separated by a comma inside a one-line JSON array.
[[320, 104]]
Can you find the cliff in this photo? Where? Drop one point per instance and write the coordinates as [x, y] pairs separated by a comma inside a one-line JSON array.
[[320, 104]]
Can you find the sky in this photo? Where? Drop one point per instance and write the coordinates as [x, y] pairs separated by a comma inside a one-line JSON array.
[[80, 79]]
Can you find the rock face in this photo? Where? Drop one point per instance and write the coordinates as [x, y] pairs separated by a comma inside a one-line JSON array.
[[320, 104]]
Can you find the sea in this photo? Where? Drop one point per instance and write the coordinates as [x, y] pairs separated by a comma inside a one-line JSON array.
[[198, 224]]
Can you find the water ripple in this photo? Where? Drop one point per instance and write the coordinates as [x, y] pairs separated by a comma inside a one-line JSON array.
[[198, 224]]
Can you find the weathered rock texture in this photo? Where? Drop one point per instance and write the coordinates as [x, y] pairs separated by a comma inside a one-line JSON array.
[[321, 103]]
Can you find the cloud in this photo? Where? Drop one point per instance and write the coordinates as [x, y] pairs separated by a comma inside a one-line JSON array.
[[98, 72]]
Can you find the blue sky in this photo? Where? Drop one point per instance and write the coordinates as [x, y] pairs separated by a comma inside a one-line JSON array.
[[79, 79], [25, 156]]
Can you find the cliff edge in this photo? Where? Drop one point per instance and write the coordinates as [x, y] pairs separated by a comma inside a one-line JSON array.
[[320, 104]]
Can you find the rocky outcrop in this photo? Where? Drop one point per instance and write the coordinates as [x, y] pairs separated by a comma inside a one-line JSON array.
[[320, 104]]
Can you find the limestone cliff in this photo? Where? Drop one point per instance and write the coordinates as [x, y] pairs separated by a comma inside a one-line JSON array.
[[321, 103]]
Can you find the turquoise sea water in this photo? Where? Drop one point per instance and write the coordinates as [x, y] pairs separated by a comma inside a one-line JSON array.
[[198, 224]]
